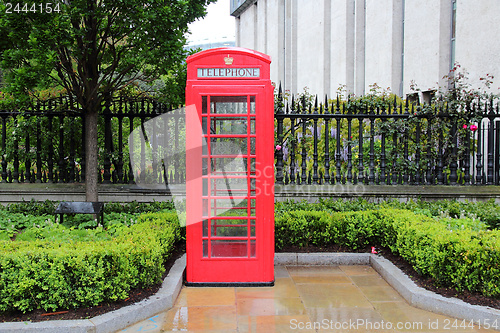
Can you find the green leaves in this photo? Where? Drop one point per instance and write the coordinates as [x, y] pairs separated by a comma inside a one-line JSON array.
[[60, 275], [465, 258], [109, 43]]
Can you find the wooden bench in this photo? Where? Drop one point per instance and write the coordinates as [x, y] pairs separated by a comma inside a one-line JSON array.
[[95, 208]]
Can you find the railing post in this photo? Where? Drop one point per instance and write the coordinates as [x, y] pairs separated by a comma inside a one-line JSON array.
[[338, 177], [491, 142], [349, 144], [131, 143], [62, 173], [405, 154], [360, 151], [315, 142], [430, 180], [439, 169], [454, 155], [119, 164], [371, 177], [417, 146], [38, 147], [327, 143], [4, 149], [466, 159], [71, 176], [394, 154], [293, 143], [108, 141], [142, 176], [154, 142], [303, 144], [176, 136], [15, 174], [51, 148], [27, 161], [497, 148], [83, 159], [479, 155], [166, 162], [382, 153], [279, 138]]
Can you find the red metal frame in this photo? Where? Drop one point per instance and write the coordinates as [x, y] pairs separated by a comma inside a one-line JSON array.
[[233, 97]]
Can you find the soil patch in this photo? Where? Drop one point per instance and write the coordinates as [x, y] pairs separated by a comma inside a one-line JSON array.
[[137, 295]]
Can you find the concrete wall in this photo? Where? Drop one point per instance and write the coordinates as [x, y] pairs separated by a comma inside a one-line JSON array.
[[477, 46], [310, 44], [14, 193], [324, 44], [422, 47], [341, 58], [379, 44]]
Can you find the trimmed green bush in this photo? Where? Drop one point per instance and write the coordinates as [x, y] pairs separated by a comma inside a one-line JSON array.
[[67, 274], [465, 259], [487, 211]]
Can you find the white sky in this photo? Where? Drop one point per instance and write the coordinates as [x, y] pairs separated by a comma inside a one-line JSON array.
[[216, 25]]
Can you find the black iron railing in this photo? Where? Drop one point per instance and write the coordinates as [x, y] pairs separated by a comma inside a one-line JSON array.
[[43, 143], [327, 143], [390, 144]]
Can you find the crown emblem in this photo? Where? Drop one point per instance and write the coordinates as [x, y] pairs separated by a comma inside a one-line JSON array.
[[228, 60]]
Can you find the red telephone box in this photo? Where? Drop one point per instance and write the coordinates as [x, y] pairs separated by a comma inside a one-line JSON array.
[[229, 168]]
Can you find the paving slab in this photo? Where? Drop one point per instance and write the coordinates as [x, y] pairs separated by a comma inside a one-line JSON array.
[[293, 286]]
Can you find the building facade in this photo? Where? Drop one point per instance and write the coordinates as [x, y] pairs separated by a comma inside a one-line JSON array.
[[326, 44]]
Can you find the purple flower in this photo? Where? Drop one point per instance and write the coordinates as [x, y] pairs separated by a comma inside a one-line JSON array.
[[285, 153]]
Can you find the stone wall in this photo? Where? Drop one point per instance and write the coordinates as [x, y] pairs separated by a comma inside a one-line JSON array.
[[323, 44], [11, 193]]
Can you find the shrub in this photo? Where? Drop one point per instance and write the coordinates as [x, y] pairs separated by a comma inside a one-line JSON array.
[[467, 259], [487, 212], [54, 275], [302, 228]]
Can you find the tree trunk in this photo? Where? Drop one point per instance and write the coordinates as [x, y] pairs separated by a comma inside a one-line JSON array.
[[91, 150]]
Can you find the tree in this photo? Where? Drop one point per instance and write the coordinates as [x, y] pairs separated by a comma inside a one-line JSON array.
[[92, 48]]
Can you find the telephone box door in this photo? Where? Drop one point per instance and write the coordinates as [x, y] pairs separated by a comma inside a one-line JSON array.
[[230, 197]]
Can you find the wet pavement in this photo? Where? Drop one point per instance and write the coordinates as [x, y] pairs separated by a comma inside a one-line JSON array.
[[304, 299]]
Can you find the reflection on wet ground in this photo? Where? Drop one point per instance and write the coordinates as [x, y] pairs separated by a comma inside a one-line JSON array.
[[304, 299]]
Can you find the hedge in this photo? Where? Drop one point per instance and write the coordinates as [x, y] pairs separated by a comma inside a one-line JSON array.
[[61, 275], [463, 259], [69, 274], [487, 211]]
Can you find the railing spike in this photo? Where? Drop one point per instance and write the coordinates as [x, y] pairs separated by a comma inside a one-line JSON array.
[[492, 108]]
